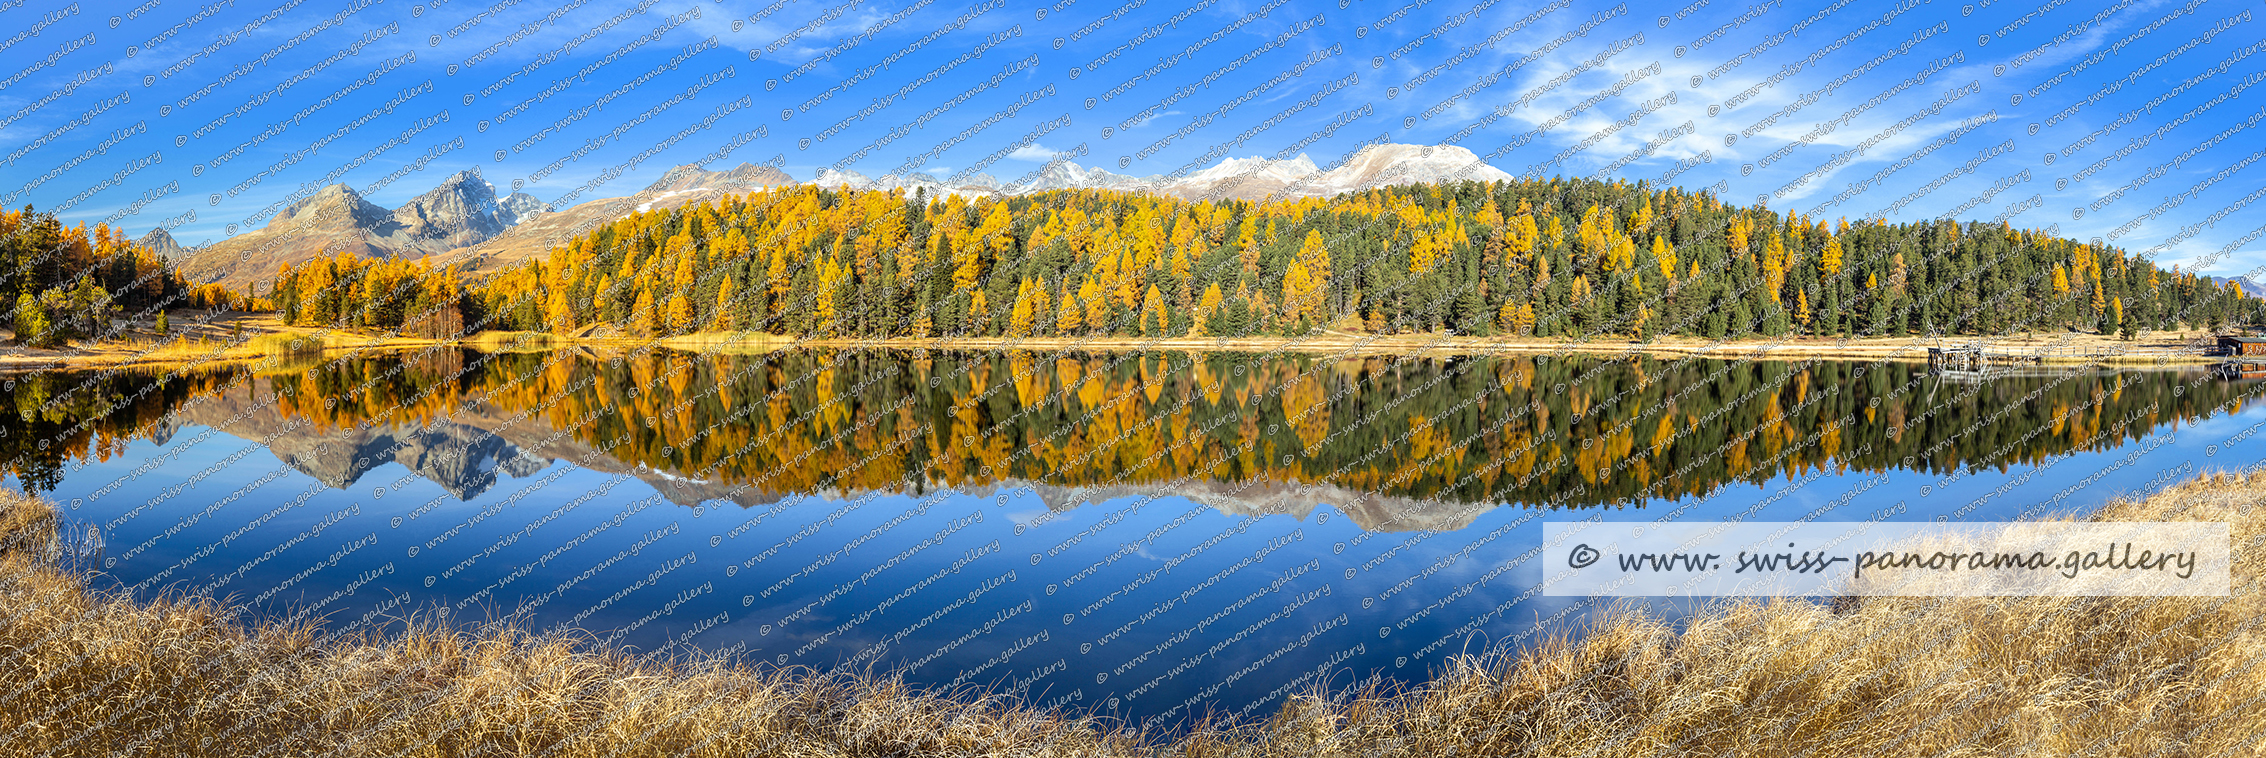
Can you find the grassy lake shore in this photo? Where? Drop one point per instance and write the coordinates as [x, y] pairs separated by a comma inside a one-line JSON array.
[[92, 673], [225, 338]]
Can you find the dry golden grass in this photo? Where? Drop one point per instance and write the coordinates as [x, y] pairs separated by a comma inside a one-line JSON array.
[[87, 674]]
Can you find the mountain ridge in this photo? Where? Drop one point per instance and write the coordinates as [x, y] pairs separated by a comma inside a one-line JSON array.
[[459, 212], [464, 219], [2248, 285]]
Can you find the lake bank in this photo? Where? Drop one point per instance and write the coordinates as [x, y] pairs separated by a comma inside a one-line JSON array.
[[2009, 676], [235, 338]]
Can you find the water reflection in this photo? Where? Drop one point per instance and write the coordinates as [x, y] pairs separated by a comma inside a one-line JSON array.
[[1399, 444], [928, 513]]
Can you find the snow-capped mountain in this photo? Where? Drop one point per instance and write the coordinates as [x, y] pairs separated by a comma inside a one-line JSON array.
[[463, 220], [539, 227], [520, 208], [1253, 178], [461, 211], [976, 185]]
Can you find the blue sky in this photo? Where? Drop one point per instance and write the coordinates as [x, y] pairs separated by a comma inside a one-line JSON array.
[[176, 101]]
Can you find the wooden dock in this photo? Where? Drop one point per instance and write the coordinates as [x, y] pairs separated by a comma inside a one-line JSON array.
[[1974, 357], [1980, 357]]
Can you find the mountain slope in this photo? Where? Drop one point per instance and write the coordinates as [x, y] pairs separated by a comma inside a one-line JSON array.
[[336, 219], [459, 212], [462, 220], [162, 243], [2246, 284], [538, 230], [1252, 178]]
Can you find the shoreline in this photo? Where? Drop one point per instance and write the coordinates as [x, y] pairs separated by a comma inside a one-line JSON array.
[[201, 345]]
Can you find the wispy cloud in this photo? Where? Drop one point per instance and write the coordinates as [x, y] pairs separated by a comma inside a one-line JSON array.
[[1034, 152]]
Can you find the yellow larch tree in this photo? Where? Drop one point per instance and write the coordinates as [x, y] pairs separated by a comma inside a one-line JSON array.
[[1071, 316], [1204, 307], [1308, 278]]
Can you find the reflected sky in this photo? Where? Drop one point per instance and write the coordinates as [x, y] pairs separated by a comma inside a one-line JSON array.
[[1119, 553]]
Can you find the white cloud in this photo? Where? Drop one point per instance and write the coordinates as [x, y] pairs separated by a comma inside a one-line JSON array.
[[1151, 117], [1034, 152]]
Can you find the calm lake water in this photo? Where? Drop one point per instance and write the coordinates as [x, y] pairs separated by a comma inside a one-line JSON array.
[[1152, 535]]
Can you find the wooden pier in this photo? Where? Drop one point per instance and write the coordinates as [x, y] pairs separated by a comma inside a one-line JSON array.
[[1980, 357], [1974, 356]]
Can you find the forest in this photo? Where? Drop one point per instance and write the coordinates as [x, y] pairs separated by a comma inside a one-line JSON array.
[[65, 283], [755, 429], [1556, 259], [1553, 259]]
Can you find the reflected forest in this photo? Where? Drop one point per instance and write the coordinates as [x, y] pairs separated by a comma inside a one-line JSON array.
[[1384, 438]]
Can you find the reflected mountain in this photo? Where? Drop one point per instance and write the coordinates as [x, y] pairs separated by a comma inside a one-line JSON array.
[[464, 459], [1398, 444]]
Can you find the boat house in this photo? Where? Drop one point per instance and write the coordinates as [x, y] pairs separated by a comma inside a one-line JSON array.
[[2242, 346]]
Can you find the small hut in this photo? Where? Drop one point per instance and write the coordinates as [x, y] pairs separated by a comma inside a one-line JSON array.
[[2246, 347]]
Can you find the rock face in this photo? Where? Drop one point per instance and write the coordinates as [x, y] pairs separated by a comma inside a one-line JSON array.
[[335, 219], [461, 212], [538, 228], [520, 208], [746, 176], [161, 242], [1387, 165], [463, 221]]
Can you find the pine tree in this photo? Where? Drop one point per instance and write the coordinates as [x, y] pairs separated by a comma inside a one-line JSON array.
[[1097, 306], [2100, 309], [2061, 294], [1774, 269], [559, 310], [1829, 257]]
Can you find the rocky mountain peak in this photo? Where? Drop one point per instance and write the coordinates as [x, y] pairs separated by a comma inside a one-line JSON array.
[[521, 207], [743, 177], [334, 207], [461, 211], [162, 243]]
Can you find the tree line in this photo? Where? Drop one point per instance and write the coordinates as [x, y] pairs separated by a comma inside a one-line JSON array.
[[63, 283], [1575, 431], [1556, 259], [1559, 258]]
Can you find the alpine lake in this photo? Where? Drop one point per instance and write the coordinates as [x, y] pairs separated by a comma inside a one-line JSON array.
[[1152, 535]]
